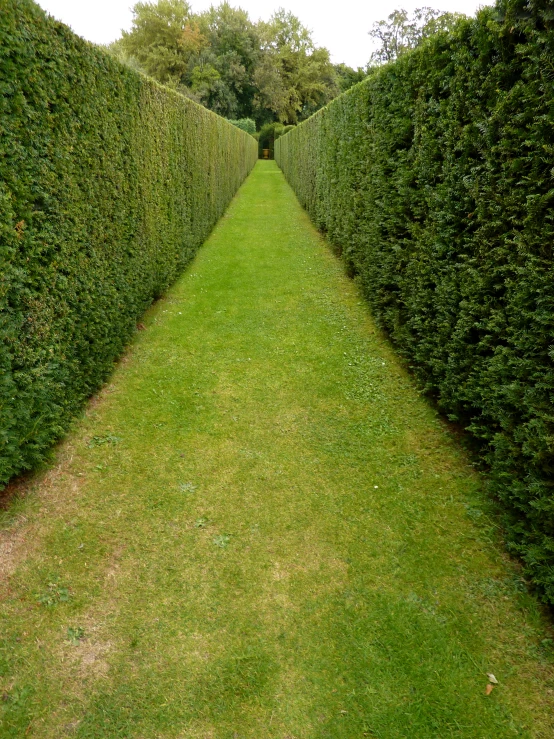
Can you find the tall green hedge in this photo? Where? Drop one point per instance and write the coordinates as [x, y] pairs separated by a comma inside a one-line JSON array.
[[435, 178], [109, 183]]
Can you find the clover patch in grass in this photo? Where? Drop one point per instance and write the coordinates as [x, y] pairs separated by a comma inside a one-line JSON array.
[[75, 634], [222, 541], [102, 440], [54, 594]]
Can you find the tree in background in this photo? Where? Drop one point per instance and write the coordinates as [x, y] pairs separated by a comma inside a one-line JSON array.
[[245, 124], [208, 56], [265, 71], [233, 50], [164, 38], [294, 77], [347, 77], [400, 32]]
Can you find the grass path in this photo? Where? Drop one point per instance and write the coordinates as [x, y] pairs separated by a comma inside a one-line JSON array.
[[260, 529]]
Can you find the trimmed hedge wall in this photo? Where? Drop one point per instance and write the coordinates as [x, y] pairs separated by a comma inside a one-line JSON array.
[[109, 183], [435, 179]]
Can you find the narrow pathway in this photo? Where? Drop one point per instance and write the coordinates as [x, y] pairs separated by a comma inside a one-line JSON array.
[[260, 529]]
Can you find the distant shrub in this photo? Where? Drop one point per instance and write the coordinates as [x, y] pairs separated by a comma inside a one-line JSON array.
[[434, 178], [245, 124], [109, 183]]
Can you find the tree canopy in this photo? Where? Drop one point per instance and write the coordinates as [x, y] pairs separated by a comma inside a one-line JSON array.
[[401, 32], [269, 71], [266, 71]]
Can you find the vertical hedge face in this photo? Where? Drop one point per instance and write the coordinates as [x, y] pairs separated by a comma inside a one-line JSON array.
[[435, 178], [109, 183]]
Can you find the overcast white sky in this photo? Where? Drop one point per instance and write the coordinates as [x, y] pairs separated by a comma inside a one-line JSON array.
[[341, 26]]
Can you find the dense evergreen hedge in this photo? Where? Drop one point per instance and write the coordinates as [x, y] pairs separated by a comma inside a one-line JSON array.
[[435, 177], [109, 183]]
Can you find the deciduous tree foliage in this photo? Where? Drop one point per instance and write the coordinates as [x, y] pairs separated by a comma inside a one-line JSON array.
[[347, 77], [294, 78], [109, 183], [434, 177], [401, 32], [265, 71], [245, 124]]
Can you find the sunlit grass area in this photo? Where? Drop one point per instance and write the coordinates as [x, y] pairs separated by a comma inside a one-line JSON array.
[[261, 529]]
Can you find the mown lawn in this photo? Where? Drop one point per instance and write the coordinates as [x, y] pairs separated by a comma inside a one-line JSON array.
[[261, 529]]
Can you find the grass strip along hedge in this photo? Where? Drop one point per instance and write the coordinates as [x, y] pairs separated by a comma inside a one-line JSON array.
[[109, 183], [435, 179]]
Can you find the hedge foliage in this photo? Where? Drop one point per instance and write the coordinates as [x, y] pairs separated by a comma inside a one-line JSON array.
[[109, 183], [435, 178]]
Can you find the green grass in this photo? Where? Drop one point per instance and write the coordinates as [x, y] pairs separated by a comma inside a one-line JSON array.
[[261, 529]]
